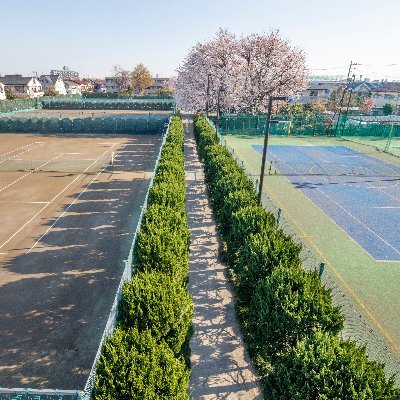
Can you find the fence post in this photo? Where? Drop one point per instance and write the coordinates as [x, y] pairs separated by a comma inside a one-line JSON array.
[[321, 269]]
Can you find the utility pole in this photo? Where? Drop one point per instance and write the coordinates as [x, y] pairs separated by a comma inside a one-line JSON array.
[[264, 157], [343, 94], [208, 93], [348, 103]]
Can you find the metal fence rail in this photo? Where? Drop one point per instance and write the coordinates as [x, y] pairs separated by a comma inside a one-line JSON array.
[[356, 327]]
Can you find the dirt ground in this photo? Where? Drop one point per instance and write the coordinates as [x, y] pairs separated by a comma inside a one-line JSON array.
[[63, 236], [221, 367]]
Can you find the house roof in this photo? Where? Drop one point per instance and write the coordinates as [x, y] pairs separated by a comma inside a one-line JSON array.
[[388, 87], [52, 78], [375, 118], [15, 79]]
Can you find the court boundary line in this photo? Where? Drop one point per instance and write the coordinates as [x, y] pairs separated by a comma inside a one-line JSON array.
[[329, 263], [342, 208], [55, 197], [337, 204], [31, 172]]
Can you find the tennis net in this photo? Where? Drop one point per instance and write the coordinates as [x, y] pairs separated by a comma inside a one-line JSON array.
[[67, 166], [333, 169]]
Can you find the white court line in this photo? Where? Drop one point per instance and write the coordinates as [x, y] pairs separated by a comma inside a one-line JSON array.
[[80, 194], [22, 177], [387, 207], [337, 204], [10, 158], [19, 148], [57, 195]]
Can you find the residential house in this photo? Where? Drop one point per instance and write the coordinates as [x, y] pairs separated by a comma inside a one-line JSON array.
[[25, 85], [111, 84], [73, 86], [54, 83], [387, 92], [2, 92], [159, 85], [318, 90]]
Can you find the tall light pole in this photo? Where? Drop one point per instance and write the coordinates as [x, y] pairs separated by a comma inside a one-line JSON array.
[[264, 157], [218, 100]]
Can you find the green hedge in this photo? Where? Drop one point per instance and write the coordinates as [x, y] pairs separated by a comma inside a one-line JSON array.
[[156, 302], [133, 366], [324, 367], [147, 358], [281, 307]]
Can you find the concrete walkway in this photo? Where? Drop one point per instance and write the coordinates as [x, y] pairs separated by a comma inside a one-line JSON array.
[[221, 367]]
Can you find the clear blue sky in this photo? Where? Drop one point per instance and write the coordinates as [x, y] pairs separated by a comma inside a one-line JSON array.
[[92, 35]]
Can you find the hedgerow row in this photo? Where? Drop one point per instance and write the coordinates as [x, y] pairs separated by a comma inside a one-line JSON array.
[[146, 357], [287, 316]]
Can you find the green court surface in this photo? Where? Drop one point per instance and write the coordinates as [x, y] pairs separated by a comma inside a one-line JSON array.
[[367, 290]]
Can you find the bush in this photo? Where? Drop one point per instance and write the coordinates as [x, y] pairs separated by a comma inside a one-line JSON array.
[[168, 194], [163, 241], [259, 255], [324, 367], [133, 366], [287, 306], [155, 302]]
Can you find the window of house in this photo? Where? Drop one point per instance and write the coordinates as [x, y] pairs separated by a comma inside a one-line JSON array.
[[313, 93]]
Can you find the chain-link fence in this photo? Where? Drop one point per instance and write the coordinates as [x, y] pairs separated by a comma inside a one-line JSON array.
[[54, 103], [384, 136], [79, 124]]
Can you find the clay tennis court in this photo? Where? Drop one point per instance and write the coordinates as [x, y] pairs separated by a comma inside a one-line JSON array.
[[67, 221]]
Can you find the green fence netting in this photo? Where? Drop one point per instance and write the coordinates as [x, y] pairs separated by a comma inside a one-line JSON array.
[[7, 106], [125, 96], [108, 124], [385, 137], [108, 104]]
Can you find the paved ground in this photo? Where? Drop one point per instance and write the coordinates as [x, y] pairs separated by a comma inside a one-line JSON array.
[[63, 237], [221, 367]]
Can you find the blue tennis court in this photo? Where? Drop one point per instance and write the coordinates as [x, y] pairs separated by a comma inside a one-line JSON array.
[[361, 194]]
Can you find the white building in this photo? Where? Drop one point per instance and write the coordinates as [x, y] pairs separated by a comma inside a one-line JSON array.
[[25, 85], [73, 87], [65, 73], [53, 82], [2, 92]]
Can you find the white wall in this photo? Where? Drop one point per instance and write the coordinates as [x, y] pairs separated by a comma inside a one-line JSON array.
[[2, 92]]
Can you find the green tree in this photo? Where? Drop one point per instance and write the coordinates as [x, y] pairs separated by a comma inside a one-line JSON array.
[[388, 109], [325, 367], [319, 107], [51, 92], [308, 108], [141, 78], [297, 108]]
